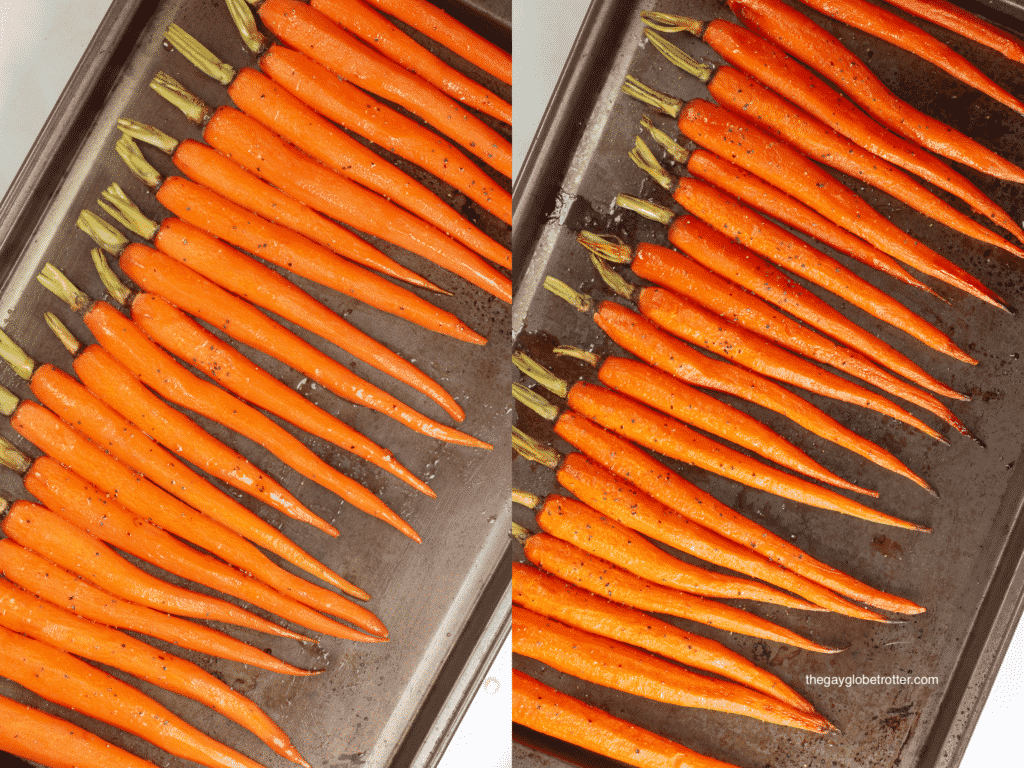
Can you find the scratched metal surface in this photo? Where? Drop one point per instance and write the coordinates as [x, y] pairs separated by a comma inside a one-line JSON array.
[[965, 572], [368, 707]]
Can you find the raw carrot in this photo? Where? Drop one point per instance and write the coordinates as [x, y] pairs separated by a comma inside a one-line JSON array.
[[35, 618], [457, 37], [814, 46], [82, 504], [374, 29], [665, 352], [550, 596], [39, 576], [30, 734], [301, 27], [179, 284], [61, 678], [356, 110], [39, 530], [548, 711], [601, 577], [965, 23], [609, 540], [653, 477], [737, 139], [137, 495], [624, 668]]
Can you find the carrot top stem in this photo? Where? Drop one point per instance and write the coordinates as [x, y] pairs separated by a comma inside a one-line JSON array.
[[194, 108], [117, 290], [12, 458], [577, 353], [670, 145], [531, 450], [535, 402], [16, 357], [580, 301], [199, 56], [245, 23], [102, 233], [525, 499], [53, 280], [8, 401], [132, 156], [662, 102], [63, 333], [646, 208], [671, 22], [540, 374], [613, 279], [148, 134], [119, 206], [609, 248], [645, 160], [679, 57]]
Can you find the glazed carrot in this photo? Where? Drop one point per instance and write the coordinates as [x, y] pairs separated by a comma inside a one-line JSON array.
[[374, 29], [548, 711], [664, 352], [90, 464], [656, 479], [179, 284], [30, 734], [158, 370], [82, 504], [39, 576], [602, 537], [63, 679], [305, 29], [965, 23], [814, 46], [780, 164], [35, 618], [550, 596], [457, 37], [39, 530], [356, 110], [601, 577], [624, 668]]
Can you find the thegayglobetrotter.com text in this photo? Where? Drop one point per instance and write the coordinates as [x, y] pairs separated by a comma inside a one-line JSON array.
[[848, 681]]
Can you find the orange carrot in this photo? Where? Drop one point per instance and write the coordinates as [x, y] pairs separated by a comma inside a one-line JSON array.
[[39, 530], [35, 618], [548, 711], [624, 668], [356, 110], [61, 678], [54, 742], [39, 576], [963, 22], [550, 596], [374, 29], [182, 286], [301, 27], [438, 25]]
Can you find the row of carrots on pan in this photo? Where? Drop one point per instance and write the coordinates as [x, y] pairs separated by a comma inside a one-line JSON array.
[[277, 178], [790, 99]]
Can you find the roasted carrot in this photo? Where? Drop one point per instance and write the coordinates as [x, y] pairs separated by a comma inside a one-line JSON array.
[[63, 679], [375, 30], [546, 710], [550, 596], [30, 734], [39, 576], [659, 481], [624, 668], [182, 286], [808, 42], [602, 537], [158, 370], [664, 352], [356, 110], [40, 620], [90, 464], [963, 22], [305, 29], [457, 37], [39, 530], [739, 140]]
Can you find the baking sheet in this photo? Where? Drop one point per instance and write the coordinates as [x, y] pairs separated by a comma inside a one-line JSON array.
[[965, 572], [443, 601]]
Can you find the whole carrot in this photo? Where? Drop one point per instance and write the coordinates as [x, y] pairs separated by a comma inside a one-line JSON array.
[[30, 734], [35, 618], [550, 596], [546, 710], [624, 668], [61, 678], [39, 530], [377, 31], [963, 22], [305, 29], [39, 576], [814, 46], [433, 22]]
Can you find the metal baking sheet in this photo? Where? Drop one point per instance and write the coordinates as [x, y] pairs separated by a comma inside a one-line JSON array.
[[390, 704], [966, 572]]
